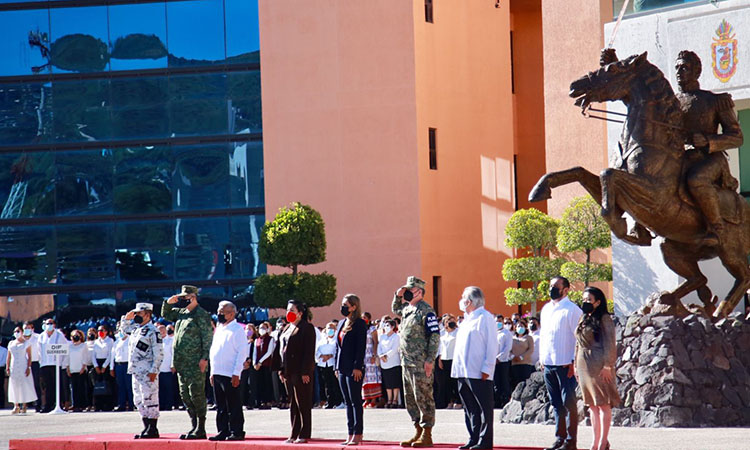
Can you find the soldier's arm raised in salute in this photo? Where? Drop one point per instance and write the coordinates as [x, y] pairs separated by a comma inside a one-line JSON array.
[[398, 301], [168, 311]]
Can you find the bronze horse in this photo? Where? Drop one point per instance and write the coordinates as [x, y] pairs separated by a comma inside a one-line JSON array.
[[648, 183]]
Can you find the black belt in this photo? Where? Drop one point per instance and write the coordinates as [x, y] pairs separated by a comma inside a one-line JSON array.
[[121, 363]]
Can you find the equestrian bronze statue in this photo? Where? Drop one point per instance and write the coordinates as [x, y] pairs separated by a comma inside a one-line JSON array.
[[671, 174]]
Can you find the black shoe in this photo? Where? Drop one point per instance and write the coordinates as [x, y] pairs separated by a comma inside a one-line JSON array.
[[467, 445], [145, 428], [120, 409], [219, 437], [151, 431], [194, 421], [557, 445], [569, 445], [481, 447], [236, 437]]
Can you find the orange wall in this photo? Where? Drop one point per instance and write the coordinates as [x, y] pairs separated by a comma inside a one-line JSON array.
[[463, 89], [339, 131]]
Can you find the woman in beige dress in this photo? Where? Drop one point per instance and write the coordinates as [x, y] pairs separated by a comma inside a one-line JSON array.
[[596, 353]]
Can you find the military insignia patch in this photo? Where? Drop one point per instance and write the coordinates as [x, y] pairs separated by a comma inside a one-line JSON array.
[[431, 324], [724, 52]]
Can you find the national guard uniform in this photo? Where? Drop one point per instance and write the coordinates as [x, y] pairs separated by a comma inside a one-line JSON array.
[[420, 339], [145, 353], [193, 334]]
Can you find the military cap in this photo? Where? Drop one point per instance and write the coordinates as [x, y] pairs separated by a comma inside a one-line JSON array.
[[187, 289], [144, 307], [413, 281]]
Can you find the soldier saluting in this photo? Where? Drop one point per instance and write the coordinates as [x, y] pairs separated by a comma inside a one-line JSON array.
[[145, 352], [193, 334], [420, 338]]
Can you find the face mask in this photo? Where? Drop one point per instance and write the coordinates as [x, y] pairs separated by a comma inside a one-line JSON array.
[[344, 311], [103, 334], [92, 337], [138, 319], [221, 318], [330, 332], [49, 327], [499, 325], [451, 325], [462, 304], [291, 316], [587, 308], [388, 329], [170, 332], [408, 296], [509, 327], [263, 331], [515, 321], [554, 293], [17, 334], [367, 321], [76, 338], [121, 335], [533, 327], [27, 332], [521, 330], [182, 302]]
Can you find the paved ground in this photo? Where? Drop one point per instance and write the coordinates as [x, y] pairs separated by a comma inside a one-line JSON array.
[[380, 424]]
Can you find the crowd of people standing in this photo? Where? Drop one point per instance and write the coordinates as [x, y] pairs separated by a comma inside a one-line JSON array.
[[411, 359]]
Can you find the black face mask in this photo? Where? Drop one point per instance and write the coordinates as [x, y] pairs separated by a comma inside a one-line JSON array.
[[554, 293], [532, 327], [408, 296], [92, 337], [587, 308], [182, 302], [345, 311], [76, 338], [170, 332], [138, 319], [451, 324], [221, 318]]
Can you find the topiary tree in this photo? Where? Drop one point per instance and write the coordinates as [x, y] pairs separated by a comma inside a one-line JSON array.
[[582, 229], [295, 237], [533, 232]]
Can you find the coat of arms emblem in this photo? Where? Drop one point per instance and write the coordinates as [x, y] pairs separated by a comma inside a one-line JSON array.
[[724, 52]]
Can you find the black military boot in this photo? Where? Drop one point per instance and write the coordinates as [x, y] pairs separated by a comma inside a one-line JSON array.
[[145, 428], [151, 432], [194, 421], [200, 430]]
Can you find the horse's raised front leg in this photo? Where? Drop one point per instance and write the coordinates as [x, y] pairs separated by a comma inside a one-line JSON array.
[[543, 188]]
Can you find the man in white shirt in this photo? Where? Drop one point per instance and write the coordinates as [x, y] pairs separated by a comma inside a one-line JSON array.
[[229, 349], [324, 352], [33, 338], [534, 328], [473, 365], [503, 363], [118, 366], [47, 362], [166, 378], [557, 344]]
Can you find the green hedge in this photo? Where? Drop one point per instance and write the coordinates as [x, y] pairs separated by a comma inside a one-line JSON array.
[[274, 291]]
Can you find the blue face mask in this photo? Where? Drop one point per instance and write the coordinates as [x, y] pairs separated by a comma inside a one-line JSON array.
[[499, 325], [521, 330]]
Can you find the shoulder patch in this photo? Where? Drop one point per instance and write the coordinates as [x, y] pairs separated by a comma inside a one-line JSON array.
[[431, 324]]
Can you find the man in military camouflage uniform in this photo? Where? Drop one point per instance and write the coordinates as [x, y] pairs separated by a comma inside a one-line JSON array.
[[145, 352], [420, 338], [192, 341]]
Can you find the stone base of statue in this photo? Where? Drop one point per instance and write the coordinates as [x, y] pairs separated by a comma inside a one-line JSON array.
[[683, 372]]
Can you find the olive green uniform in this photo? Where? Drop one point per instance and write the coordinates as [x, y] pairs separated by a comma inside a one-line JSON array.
[[193, 333]]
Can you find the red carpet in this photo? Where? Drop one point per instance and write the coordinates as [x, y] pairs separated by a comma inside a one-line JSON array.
[[170, 442]]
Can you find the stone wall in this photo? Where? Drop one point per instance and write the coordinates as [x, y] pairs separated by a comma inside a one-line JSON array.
[[671, 372]]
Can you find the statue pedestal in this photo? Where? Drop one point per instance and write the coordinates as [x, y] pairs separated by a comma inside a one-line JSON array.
[[683, 372]]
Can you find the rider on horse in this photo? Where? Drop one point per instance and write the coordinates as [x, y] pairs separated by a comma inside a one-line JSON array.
[[703, 112]]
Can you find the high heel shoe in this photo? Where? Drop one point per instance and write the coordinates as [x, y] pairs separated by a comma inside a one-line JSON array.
[[348, 440], [356, 440]]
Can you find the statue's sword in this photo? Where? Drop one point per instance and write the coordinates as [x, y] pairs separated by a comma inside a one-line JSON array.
[[617, 24]]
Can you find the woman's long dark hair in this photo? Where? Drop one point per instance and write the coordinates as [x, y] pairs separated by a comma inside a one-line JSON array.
[[594, 320], [302, 308]]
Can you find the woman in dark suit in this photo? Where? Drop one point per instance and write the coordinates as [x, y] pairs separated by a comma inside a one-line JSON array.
[[297, 350], [351, 340]]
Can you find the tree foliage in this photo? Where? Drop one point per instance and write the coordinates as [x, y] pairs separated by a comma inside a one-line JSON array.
[[582, 228], [533, 229], [295, 237]]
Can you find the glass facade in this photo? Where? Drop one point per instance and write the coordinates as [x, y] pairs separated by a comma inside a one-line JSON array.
[[131, 154], [639, 6]]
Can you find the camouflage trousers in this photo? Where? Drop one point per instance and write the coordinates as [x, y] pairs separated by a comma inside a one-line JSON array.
[[146, 395], [193, 390], [418, 396]]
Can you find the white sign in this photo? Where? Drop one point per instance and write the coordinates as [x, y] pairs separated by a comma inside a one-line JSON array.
[[56, 349]]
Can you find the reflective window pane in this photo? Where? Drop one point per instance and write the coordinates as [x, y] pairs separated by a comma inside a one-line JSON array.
[[243, 43], [241, 254], [195, 32], [25, 43], [26, 256], [81, 110], [245, 102], [25, 113], [138, 36], [142, 180], [201, 177], [27, 185], [144, 251], [79, 39], [246, 174], [84, 254], [139, 107], [200, 245], [198, 104], [84, 182]]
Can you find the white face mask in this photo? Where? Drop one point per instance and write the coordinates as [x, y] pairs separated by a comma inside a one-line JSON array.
[[17, 334], [387, 329], [509, 327], [49, 327], [263, 331], [462, 304]]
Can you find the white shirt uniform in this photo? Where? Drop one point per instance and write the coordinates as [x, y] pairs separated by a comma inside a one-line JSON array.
[[535, 355], [326, 346], [78, 355], [229, 349], [119, 352], [388, 345], [35, 351], [476, 346], [166, 363], [504, 344], [557, 339], [44, 340], [447, 345], [103, 350]]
